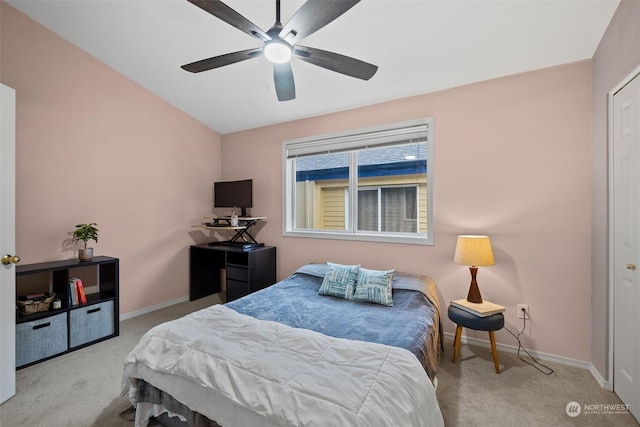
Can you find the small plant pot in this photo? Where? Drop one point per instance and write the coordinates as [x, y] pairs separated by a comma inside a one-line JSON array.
[[85, 254]]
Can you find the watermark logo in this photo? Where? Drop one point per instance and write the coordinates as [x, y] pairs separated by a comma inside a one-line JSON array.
[[573, 409], [606, 408]]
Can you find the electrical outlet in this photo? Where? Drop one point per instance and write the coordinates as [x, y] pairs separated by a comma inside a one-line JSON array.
[[523, 310]]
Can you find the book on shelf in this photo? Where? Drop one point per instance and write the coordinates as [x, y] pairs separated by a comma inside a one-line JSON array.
[[82, 297], [483, 309], [73, 293]]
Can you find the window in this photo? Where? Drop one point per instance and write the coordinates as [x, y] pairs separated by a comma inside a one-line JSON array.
[[388, 209], [370, 184]]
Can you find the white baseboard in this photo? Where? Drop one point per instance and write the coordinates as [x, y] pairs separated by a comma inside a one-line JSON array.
[[605, 384], [146, 310], [537, 354]]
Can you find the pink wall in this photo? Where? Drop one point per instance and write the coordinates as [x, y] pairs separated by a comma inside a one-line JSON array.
[[513, 158], [92, 146], [512, 161], [616, 57]]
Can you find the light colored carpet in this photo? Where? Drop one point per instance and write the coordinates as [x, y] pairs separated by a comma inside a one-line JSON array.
[[83, 388], [470, 393]]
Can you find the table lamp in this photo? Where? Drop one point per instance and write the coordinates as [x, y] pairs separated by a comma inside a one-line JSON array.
[[474, 251]]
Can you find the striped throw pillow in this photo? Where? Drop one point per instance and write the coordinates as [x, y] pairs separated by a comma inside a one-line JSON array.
[[339, 280], [374, 286]]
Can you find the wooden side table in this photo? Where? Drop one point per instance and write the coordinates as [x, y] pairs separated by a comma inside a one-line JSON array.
[[465, 319]]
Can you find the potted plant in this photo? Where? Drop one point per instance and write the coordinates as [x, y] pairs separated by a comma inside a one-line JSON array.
[[86, 232]]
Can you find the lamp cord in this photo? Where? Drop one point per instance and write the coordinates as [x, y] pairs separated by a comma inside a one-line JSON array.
[[545, 369]]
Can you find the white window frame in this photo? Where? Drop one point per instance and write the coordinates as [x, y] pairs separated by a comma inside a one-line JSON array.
[[347, 141]]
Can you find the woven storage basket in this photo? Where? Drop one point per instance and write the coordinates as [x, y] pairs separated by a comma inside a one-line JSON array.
[[35, 305]]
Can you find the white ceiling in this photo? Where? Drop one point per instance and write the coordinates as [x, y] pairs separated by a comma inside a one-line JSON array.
[[420, 46]]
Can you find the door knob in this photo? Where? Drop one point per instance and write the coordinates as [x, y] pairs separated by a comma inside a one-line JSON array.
[[10, 259], [630, 267]]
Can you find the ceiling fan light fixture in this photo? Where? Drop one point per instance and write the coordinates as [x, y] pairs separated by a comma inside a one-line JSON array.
[[280, 43], [277, 51]]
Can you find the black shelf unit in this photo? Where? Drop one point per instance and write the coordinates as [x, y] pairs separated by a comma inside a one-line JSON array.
[[44, 335]]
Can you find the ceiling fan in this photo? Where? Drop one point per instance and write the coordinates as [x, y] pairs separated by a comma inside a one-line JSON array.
[[280, 42]]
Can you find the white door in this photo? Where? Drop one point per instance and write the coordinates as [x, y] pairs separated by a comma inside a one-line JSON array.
[[626, 235], [7, 244]]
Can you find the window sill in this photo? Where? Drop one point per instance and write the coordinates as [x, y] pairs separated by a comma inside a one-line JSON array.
[[423, 240]]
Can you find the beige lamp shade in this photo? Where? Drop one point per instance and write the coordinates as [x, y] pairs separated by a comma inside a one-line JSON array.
[[474, 251]]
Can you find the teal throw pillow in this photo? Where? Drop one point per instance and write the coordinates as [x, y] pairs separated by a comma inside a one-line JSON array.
[[339, 280], [374, 286]]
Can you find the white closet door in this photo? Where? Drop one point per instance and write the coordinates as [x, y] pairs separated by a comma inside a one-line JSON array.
[[7, 243], [626, 205]]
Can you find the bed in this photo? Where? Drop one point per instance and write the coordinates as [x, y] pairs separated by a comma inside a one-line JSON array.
[[287, 355]]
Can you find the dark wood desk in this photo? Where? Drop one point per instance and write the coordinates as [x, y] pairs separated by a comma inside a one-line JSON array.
[[247, 270]]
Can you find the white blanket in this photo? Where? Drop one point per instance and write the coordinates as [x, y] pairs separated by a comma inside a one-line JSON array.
[[240, 371]]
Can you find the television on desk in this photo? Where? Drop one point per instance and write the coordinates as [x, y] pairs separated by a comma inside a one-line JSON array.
[[233, 194]]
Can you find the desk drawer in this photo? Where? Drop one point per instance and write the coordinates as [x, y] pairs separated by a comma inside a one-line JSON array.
[[237, 273], [236, 290], [40, 339], [90, 323]]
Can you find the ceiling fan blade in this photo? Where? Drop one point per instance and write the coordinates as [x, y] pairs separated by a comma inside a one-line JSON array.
[[231, 17], [336, 62], [283, 79], [312, 16], [222, 60]]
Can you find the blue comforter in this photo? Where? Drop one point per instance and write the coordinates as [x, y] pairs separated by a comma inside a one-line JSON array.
[[412, 323]]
